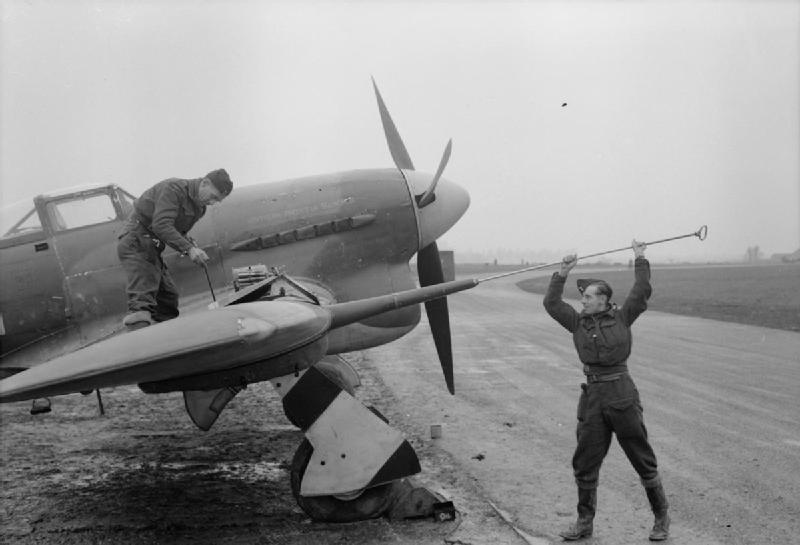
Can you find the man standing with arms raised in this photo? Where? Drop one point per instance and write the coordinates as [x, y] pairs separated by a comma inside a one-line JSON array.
[[610, 401]]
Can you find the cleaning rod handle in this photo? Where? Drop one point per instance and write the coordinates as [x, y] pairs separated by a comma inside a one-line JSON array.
[[702, 233]]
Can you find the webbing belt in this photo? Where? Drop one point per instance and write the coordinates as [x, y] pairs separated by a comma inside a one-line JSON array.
[[608, 377]]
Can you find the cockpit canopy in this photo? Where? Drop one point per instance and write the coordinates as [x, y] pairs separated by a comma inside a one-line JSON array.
[[64, 211]]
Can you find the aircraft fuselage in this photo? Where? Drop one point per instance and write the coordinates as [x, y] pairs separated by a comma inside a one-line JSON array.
[[345, 236]]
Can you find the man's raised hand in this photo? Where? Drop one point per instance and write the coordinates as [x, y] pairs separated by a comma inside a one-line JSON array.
[[567, 263]]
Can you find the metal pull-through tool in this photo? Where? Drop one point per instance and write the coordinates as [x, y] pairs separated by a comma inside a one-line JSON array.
[[700, 233]]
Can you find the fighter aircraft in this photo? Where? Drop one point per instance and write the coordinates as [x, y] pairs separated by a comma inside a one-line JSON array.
[[301, 270]]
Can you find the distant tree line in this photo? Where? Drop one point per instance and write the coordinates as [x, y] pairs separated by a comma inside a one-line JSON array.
[[752, 254]]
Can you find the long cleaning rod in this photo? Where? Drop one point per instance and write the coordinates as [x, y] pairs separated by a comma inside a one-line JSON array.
[[700, 233]]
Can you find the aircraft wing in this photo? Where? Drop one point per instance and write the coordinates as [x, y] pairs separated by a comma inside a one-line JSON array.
[[204, 342], [199, 343]]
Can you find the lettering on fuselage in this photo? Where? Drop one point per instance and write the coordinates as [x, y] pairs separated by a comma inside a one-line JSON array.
[[300, 212], [302, 233]]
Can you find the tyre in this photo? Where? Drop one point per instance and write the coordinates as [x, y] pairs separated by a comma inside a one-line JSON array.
[[369, 503]]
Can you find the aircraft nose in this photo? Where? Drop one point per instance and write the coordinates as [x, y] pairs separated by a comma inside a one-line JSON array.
[[437, 217]]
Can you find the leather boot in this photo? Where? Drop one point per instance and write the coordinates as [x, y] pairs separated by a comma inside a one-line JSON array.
[[137, 320], [658, 502], [587, 502]]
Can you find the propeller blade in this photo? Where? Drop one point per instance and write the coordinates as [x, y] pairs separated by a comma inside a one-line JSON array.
[[429, 266], [428, 196], [396, 147]]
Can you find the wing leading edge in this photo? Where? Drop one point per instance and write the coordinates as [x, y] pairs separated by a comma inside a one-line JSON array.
[[200, 343]]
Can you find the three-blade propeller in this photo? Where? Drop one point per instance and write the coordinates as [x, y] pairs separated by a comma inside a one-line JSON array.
[[429, 264]]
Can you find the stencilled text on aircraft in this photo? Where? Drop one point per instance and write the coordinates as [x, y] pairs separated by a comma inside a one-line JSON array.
[[300, 212]]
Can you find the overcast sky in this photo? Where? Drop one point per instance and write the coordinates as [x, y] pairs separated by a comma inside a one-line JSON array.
[[677, 114]]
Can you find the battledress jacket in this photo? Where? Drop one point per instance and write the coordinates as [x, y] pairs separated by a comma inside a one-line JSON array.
[[603, 339], [168, 210]]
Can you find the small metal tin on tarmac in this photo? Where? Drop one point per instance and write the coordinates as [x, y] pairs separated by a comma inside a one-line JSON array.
[[444, 511], [436, 431]]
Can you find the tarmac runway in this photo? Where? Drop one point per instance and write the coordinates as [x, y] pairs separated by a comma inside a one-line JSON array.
[[721, 404]]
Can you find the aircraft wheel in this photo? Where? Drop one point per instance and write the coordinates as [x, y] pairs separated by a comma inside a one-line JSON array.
[[369, 503]]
